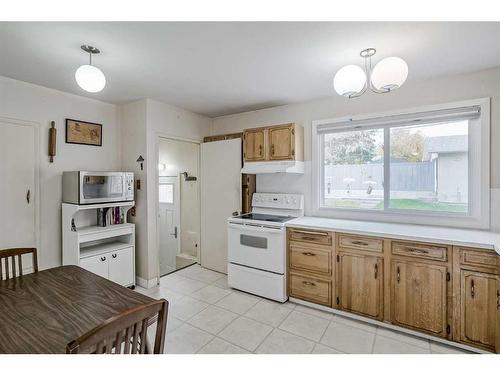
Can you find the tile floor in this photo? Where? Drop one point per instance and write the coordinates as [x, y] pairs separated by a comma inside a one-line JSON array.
[[206, 316]]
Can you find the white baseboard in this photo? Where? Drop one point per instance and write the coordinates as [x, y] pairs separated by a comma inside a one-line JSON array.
[[146, 283]]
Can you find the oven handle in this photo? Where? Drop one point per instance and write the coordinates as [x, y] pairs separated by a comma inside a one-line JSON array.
[[261, 229]]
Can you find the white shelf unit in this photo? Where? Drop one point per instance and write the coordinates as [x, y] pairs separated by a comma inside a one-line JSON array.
[[106, 251]]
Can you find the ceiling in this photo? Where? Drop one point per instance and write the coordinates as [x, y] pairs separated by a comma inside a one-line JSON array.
[[222, 68]]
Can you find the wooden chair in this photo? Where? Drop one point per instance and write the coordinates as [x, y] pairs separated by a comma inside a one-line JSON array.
[[12, 254], [125, 333]]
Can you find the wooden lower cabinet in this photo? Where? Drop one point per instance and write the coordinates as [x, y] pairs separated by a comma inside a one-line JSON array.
[[360, 284], [479, 308], [419, 296], [310, 288], [446, 291]]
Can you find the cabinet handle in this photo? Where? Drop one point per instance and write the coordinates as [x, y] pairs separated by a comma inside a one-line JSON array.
[[398, 275], [309, 283], [309, 254], [114, 255], [472, 288], [272, 149], [305, 238], [260, 150], [420, 251], [360, 243], [103, 259], [498, 299], [376, 270]]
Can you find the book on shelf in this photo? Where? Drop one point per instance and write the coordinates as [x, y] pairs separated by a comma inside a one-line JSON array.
[[110, 216]]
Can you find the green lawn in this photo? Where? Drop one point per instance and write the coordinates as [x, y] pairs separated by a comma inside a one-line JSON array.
[[399, 204], [415, 204]]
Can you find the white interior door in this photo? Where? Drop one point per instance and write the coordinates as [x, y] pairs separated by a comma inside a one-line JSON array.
[[169, 223], [220, 197], [17, 186]]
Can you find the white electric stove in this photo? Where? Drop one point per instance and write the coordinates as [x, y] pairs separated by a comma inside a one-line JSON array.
[[257, 245]]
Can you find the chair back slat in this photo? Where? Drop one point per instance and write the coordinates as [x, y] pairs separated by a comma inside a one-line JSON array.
[[125, 333], [13, 271], [128, 336]]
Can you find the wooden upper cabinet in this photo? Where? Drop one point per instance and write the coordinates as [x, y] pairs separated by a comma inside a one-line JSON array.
[[282, 142], [479, 305], [360, 284], [254, 144], [419, 293], [279, 142]]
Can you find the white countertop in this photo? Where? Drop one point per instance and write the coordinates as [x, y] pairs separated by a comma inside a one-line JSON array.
[[453, 236]]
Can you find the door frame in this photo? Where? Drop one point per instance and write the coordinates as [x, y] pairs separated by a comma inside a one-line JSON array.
[[159, 136], [36, 128]]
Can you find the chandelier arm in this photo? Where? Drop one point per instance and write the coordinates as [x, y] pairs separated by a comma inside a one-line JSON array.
[[358, 94]]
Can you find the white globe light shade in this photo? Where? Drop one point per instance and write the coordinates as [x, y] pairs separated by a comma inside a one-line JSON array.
[[349, 80], [389, 74], [90, 78]]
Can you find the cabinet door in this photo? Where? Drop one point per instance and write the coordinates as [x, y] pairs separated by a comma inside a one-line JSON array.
[[121, 266], [254, 145], [419, 296], [282, 141], [360, 284], [479, 308], [97, 264]]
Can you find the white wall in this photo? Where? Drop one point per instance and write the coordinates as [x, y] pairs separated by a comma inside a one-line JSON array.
[[133, 144], [129, 130], [25, 101], [143, 123], [448, 89]]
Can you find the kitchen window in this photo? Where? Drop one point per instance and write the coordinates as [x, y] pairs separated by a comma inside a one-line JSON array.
[[427, 166]]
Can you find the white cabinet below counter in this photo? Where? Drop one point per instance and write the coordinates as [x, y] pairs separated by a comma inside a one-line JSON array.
[[116, 265]]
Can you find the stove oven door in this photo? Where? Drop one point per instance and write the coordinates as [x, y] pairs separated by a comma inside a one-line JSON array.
[[257, 246]]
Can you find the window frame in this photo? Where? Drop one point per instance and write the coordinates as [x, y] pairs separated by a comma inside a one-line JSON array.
[[479, 170]]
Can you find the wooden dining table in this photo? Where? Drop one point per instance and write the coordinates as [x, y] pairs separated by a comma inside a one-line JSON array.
[[42, 312]]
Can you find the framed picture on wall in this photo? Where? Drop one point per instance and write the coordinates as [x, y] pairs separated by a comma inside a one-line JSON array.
[[83, 133]]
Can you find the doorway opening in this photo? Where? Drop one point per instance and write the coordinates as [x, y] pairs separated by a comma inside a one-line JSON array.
[[178, 204]]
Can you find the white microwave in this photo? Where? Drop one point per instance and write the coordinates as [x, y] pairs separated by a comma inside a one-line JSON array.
[[83, 187]]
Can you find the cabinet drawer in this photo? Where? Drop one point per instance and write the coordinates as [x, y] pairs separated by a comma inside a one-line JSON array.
[[420, 250], [361, 242], [311, 288], [311, 236], [311, 259], [482, 258]]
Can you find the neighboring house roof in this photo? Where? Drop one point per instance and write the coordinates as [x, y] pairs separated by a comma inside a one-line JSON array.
[[444, 144]]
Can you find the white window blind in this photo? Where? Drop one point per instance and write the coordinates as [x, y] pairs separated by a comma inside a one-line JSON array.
[[430, 117]]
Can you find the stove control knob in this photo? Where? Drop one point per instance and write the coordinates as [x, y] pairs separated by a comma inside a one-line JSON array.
[[287, 201], [294, 201]]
